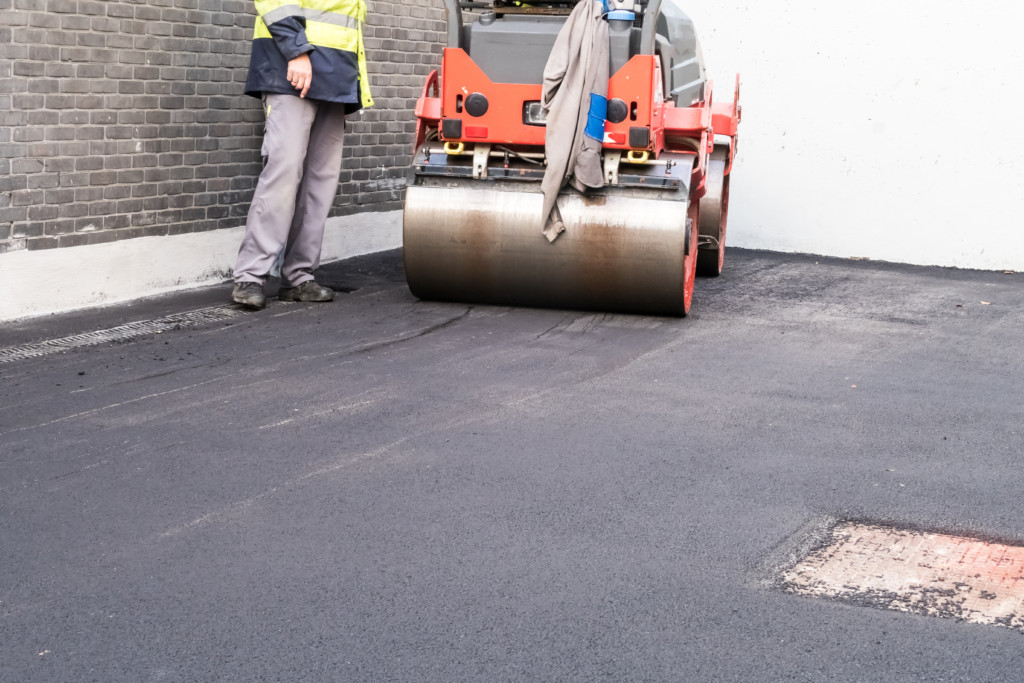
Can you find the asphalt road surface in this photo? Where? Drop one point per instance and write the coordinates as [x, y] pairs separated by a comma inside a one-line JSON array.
[[382, 489]]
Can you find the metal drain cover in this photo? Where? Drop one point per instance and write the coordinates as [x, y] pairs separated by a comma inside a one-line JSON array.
[[913, 571]]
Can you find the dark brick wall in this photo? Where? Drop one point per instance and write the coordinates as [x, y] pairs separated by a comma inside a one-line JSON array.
[[122, 118]]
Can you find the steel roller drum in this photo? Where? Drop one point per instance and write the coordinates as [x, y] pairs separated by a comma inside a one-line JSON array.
[[623, 250]]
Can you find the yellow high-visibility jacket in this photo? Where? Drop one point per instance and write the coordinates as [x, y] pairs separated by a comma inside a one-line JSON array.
[[329, 31]]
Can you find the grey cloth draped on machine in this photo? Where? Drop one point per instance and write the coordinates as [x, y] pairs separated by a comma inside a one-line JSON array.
[[575, 98]]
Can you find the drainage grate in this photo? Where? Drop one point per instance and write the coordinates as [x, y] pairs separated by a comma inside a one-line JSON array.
[[912, 571], [122, 333]]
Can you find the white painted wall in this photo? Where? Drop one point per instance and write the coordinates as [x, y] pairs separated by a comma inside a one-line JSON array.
[[890, 130]]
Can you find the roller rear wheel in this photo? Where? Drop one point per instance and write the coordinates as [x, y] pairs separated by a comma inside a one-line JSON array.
[[714, 212]]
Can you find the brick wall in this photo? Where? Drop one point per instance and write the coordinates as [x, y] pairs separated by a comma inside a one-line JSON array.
[[122, 118]]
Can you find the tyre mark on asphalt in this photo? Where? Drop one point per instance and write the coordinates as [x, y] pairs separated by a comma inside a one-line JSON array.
[[93, 411], [249, 372], [334, 409], [211, 364], [131, 452], [371, 346], [495, 414], [384, 343], [585, 324], [242, 505]]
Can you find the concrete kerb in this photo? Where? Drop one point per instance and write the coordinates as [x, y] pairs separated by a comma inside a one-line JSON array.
[[102, 274]]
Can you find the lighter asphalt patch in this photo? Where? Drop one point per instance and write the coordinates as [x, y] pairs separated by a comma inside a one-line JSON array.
[[933, 574]]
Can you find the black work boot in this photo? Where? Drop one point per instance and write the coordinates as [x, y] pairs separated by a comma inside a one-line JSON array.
[[249, 294], [307, 291]]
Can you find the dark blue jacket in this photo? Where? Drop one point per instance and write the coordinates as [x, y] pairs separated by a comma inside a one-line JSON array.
[[337, 76]]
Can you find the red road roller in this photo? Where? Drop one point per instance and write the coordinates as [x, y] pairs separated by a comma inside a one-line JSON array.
[[647, 208]]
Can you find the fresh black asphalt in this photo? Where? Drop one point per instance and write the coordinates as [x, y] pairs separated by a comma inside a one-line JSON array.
[[383, 489]]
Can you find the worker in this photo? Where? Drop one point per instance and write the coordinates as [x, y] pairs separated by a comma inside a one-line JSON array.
[[309, 67]]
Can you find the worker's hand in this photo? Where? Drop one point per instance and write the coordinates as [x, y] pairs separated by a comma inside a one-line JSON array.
[[300, 74]]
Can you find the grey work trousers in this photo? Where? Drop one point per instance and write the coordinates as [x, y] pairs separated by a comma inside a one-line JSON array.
[[302, 148]]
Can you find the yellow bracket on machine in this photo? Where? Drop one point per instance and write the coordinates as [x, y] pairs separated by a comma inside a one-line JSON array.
[[454, 147], [637, 156]]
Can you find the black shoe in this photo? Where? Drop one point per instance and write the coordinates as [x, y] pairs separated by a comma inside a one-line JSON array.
[[249, 294], [307, 291]]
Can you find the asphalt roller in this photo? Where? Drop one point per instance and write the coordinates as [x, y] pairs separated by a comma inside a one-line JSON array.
[[473, 213]]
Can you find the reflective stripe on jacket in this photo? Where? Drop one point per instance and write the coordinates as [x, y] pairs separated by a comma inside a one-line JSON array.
[[329, 31]]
